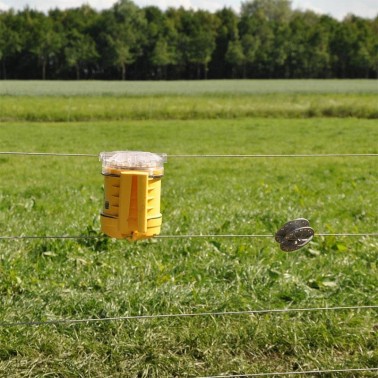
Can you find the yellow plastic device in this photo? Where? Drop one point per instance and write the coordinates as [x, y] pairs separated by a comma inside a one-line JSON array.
[[132, 186]]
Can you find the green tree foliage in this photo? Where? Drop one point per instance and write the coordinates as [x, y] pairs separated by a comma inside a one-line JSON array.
[[201, 41], [263, 28], [43, 40], [227, 31], [374, 46], [235, 56], [80, 52], [162, 42], [361, 49], [10, 39], [267, 10], [161, 57], [308, 48], [77, 43], [267, 39], [123, 35], [196, 40]]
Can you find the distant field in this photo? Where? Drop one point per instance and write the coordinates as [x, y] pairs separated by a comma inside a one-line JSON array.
[[43, 280], [91, 101], [190, 88]]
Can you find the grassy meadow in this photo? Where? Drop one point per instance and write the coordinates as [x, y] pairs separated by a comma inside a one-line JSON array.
[[48, 279], [68, 101]]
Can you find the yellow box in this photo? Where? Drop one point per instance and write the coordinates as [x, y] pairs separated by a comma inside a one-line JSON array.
[[132, 189]]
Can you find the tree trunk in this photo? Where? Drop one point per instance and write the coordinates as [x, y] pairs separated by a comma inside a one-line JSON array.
[[165, 72], [5, 70], [77, 66], [123, 71], [43, 69]]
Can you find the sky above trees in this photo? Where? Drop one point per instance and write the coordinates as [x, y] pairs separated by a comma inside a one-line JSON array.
[[337, 9]]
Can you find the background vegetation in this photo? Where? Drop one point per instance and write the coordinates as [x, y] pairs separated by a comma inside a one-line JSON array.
[[68, 101], [76, 279], [267, 39]]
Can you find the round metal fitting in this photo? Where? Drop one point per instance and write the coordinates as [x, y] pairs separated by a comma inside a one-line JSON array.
[[294, 235]]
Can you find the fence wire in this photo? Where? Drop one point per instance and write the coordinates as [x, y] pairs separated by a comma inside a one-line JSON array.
[[194, 236], [185, 315], [58, 154], [304, 372]]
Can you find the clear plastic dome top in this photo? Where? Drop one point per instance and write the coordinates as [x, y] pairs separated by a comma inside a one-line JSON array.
[[133, 160]]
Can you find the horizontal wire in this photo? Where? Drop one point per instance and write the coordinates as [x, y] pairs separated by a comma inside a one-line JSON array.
[[304, 372], [272, 155], [26, 237], [46, 154], [186, 315], [199, 236], [197, 155], [374, 234]]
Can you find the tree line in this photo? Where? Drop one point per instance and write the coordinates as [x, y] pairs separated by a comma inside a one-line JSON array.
[[266, 39]]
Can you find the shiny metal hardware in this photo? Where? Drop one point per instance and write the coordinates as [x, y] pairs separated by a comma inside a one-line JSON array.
[[294, 235]]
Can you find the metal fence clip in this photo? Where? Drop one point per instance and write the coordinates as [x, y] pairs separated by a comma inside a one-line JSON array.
[[294, 235]]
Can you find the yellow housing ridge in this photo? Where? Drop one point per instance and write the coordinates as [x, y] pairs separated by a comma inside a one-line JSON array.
[[132, 204]]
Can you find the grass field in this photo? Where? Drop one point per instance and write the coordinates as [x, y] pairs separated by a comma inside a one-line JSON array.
[[68, 101], [190, 88], [45, 279]]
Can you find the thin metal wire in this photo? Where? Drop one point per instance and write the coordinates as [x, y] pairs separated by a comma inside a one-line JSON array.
[[199, 236], [187, 315], [198, 155], [304, 372], [46, 154], [26, 237], [374, 234], [273, 156]]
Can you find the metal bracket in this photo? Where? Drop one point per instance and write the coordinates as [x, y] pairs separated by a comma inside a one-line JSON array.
[[294, 235]]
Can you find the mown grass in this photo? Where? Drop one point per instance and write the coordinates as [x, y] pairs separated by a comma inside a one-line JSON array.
[[75, 279]]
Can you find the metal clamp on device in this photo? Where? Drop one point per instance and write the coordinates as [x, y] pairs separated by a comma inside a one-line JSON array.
[[294, 235]]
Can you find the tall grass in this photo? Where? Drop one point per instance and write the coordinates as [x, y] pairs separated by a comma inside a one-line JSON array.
[[68, 109]]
